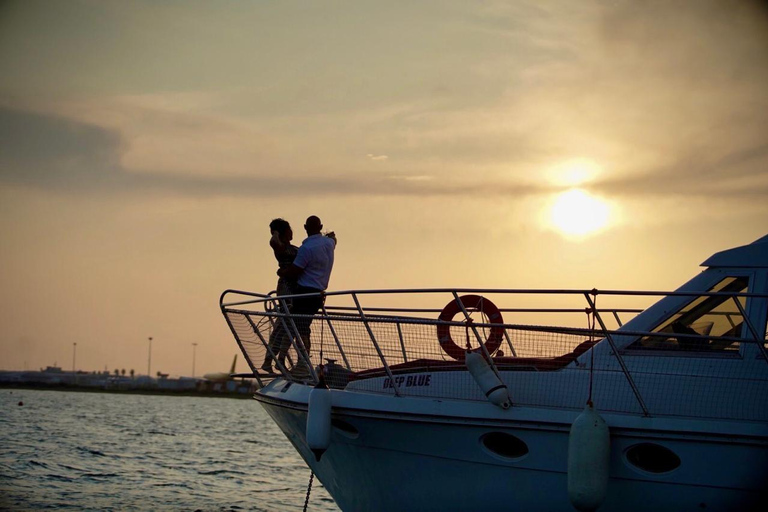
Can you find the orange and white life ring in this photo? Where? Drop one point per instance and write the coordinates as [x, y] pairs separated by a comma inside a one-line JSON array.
[[478, 303]]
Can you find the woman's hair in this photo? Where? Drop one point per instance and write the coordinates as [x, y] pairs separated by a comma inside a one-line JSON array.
[[279, 225]]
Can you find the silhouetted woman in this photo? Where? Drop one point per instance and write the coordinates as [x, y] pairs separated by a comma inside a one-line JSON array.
[[285, 253]]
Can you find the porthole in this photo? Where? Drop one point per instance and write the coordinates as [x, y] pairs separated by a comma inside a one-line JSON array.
[[652, 458], [344, 428], [504, 445]]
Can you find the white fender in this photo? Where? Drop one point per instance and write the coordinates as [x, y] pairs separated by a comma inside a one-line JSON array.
[[319, 419], [589, 451], [495, 390]]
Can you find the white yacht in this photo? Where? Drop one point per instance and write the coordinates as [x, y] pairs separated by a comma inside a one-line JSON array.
[[469, 399]]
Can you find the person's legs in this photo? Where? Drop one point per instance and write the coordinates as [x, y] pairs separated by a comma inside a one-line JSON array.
[[279, 339], [284, 341], [304, 308]]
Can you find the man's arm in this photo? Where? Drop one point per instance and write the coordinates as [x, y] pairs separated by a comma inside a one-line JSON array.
[[292, 272], [297, 267]]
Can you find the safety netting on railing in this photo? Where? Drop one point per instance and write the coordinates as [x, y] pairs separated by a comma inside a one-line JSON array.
[[417, 354]]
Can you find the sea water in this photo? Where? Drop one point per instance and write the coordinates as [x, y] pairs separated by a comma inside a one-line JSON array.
[[102, 451]]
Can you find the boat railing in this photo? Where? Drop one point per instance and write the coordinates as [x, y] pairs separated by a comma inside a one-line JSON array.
[[353, 340]]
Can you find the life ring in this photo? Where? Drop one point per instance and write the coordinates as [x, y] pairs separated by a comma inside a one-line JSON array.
[[479, 303]]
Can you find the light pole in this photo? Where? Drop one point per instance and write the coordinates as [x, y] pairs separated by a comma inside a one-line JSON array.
[[194, 348], [74, 356], [149, 359]]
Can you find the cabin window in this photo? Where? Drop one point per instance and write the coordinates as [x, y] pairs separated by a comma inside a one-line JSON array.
[[504, 445], [695, 325], [652, 458]]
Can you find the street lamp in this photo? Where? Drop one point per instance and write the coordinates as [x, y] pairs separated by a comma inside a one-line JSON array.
[[149, 359], [194, 348]]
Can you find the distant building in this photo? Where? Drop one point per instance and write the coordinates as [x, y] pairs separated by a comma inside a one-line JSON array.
[[53, 377]]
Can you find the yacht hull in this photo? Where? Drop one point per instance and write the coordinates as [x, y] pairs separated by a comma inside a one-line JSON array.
[[384, 460]]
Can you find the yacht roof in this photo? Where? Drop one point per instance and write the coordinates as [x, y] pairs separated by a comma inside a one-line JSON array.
[[750, 256]]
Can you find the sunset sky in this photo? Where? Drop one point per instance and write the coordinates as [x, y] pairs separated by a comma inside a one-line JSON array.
[[145, 146]]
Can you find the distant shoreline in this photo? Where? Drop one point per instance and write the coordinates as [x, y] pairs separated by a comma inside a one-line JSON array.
[[162, 392]]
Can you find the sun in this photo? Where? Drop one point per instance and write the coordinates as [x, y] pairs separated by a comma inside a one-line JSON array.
[[578, 214]]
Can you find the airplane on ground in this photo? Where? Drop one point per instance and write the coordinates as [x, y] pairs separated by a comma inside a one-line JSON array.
[[222, 376]]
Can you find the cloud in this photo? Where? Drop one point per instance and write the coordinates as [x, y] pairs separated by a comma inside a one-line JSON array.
[[414, 178], [638, 90], [54, 152], [702, 172]]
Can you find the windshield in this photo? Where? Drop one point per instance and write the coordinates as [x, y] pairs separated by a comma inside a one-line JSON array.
[[706, 317]]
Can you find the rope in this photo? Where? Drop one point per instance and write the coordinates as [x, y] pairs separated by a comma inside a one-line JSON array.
[[591, 326], [309, 489], [322, 330], [467, 323], [321, 377]]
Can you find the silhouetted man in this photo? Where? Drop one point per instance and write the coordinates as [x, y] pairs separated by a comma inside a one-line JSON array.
[[312, 266]]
